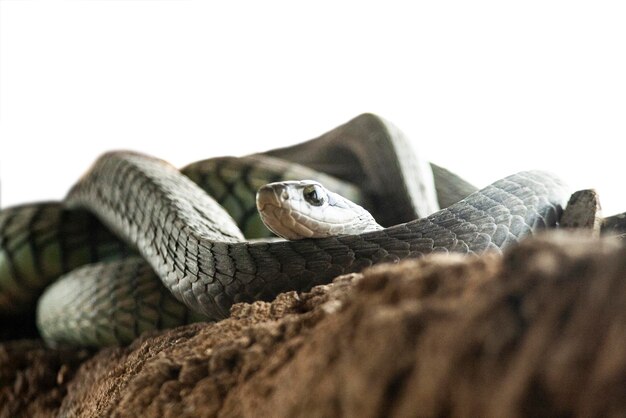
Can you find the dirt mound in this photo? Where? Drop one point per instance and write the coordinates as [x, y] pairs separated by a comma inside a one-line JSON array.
[[33, 379], [538, 332]]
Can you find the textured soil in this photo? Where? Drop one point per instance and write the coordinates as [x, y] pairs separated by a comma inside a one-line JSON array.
[[538, 332]]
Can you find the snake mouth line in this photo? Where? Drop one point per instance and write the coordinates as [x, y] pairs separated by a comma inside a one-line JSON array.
[[281, 212]]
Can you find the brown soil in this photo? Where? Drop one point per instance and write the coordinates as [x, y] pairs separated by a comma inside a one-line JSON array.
[[538, 332]]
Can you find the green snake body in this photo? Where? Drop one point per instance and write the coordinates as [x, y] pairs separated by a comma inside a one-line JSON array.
[[203, 259]]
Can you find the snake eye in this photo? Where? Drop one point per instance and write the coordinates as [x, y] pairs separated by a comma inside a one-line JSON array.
[[314, 194]]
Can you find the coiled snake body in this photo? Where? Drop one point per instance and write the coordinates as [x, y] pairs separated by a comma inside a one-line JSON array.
[[204, 260]]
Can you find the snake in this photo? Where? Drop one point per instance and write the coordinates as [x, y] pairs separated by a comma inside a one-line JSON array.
[[155, 233]]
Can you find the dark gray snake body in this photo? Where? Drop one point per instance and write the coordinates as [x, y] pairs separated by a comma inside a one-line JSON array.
[[203, 259]]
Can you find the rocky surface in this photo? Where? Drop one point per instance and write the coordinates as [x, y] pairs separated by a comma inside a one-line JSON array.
[[538, 332]]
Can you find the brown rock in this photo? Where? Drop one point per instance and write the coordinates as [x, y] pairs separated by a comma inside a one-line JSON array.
[[583, 211], [538, 332]]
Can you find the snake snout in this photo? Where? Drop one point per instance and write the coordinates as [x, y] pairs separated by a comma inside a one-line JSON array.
[[271, 195]]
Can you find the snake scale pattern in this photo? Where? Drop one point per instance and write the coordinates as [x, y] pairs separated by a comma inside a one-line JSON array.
[[200, 254]]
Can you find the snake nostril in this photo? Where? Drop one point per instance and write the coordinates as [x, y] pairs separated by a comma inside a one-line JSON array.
[[284, 195]]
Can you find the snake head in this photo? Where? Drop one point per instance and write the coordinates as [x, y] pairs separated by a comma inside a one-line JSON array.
[[306, 209]]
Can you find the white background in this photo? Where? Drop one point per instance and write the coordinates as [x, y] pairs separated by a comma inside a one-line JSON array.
[[485, 88]]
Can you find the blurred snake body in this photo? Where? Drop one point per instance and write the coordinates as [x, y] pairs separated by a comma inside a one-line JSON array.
[[199, 253]]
